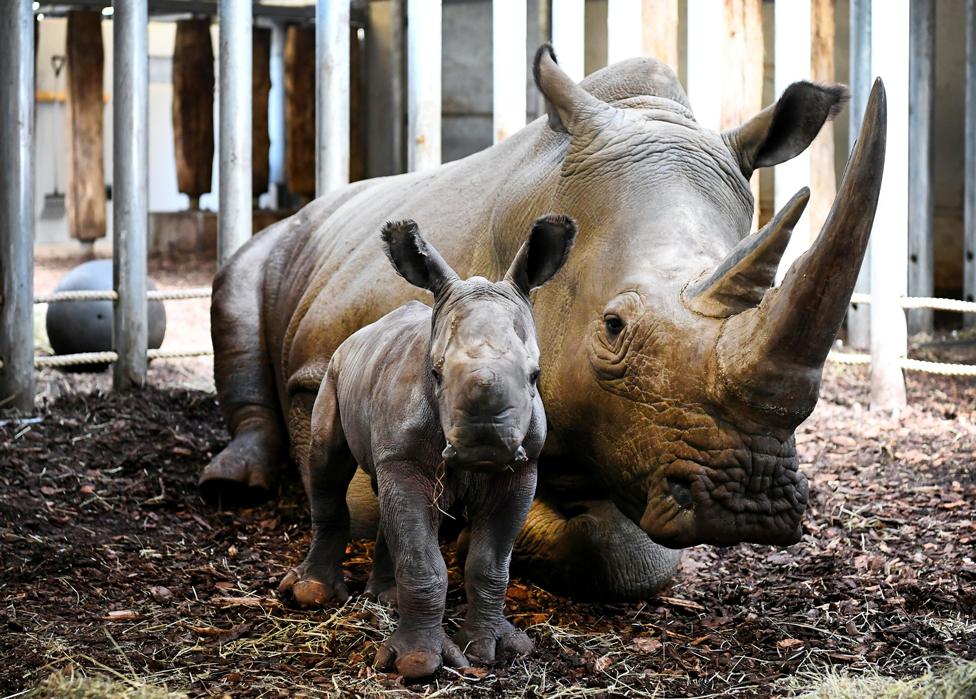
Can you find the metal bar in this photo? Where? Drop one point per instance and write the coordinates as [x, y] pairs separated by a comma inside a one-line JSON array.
[[17, 207], [183, 8], [130, 215], [397, 80], [625, 36], [276, 114], [706, 27], [568, 30], [969, 186], [331, 95], [508, 96], [921, 213], [859, 317], [234, 224], [423, 84], [889, 258]]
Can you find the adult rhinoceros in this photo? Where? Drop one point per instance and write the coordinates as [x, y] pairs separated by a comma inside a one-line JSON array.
[[673, 375]]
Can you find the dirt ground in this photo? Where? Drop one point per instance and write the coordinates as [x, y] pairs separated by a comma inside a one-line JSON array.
[[113, 565]]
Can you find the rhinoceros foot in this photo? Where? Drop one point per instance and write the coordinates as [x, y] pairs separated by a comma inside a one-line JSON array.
[[383, 591], [245, 473], [419, 653], [500, 642], [313, 587]]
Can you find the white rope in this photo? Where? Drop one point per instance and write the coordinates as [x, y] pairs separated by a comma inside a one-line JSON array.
[[73, 359], [848, 358], [201, 292], [178, 353], [942, 368], [938, 304]]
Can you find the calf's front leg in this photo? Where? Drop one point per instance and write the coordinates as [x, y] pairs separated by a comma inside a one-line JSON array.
[[497, 513], [409, 519]]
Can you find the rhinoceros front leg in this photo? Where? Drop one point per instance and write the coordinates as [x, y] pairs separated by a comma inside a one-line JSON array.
[[496, 517], [588, 549], [409, 518]]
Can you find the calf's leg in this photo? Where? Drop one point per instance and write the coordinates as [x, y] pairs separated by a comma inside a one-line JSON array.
[[497, 513], [409, 518], [319, 579]]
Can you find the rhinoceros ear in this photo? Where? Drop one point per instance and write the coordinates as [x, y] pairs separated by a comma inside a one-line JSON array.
[[783, 130], [568, 105], [741, 280], [544, 253], [414, 258]]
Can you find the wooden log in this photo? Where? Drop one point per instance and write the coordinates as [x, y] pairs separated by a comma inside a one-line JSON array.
[[86, 171], [660, 31], [300, 110], [743, 57], [969, 182], [260, 89], [193, 110], [823, 176]]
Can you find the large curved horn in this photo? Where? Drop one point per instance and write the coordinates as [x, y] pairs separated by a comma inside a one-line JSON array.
[[770, 358], [569, 106]]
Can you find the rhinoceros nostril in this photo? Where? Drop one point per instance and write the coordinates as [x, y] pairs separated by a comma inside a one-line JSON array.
[[680, 490]]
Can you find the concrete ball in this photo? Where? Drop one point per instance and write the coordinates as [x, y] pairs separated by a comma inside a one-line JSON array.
[[86, 326]]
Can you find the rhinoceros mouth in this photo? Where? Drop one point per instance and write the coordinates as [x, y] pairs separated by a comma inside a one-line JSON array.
[[695, 504]]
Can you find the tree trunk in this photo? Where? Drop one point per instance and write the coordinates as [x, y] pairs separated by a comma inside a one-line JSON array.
[[86, 171], [193, 107], [260, 87], [300, 110]]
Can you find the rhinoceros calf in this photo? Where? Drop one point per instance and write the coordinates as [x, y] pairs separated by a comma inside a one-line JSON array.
[[674, 373], [439, 406]]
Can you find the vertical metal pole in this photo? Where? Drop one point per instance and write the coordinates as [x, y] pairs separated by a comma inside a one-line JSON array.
[[625, 34], [889, 257], [276, 114], [130, 168], [423, 84], [17, 207], [706, 28], [234, 223], [921, 212], [331, 95], [397, 78], [792, 38], [859, 316], [568, 30], [508, 96], [969, 186]]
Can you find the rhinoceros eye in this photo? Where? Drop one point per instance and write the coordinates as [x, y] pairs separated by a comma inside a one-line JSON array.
[[438, 377], [613, 323]]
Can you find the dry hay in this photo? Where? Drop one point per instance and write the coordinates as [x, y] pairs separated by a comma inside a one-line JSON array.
[[955, 680]]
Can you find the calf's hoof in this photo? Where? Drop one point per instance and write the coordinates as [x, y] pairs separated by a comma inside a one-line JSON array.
[[417, 654], [309, 589], [495, 644], [244, 474]]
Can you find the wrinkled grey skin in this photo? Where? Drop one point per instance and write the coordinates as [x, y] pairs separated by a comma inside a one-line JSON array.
[[673, 375], [439, 406]]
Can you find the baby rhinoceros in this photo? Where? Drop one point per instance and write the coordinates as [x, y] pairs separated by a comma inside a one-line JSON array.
[[441, 408]]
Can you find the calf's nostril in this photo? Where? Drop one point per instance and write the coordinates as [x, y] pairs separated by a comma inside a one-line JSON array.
[[680, 490]]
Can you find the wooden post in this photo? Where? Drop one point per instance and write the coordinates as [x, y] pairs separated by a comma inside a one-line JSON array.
[[260, 91], [332, 95], [969, 186], [193, 107], [300, 110], [423, 84], [921, 211], [508, 97], [625, 35], [792, 56], [130, 214], [742, 71], [568, 30], [86, 171], [358, 143], [660, 31], [823, 175], [384, 88], [890, 59], [17, 208], [860, 78]]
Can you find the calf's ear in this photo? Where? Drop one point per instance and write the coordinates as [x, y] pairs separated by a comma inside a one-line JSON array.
[[783, 130], [544, 253], [414, 258]]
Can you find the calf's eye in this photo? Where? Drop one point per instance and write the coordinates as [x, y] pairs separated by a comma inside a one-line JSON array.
[[534, 377]]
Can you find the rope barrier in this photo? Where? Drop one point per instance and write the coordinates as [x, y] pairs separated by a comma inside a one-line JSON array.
[[938, 304], [178, 354], [201, 292], [941, 368], [73, 359]]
